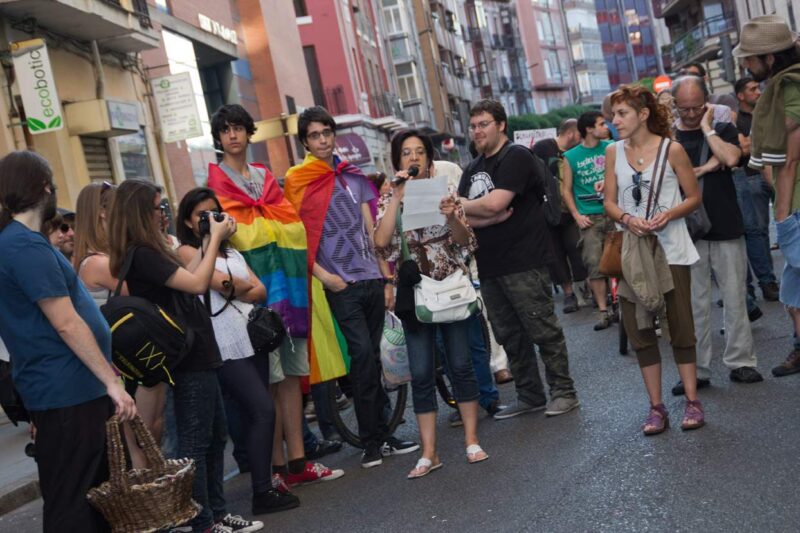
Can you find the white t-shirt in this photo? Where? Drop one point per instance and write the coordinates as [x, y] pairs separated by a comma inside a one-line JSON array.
[[230, 326], [674, 238]]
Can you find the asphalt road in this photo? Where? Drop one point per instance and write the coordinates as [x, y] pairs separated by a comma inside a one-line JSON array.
[[590, 470]]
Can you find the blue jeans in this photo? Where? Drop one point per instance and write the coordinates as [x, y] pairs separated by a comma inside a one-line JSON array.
[[480, 362], [200, 421], [789, 240], [421, 348], [754, 194]]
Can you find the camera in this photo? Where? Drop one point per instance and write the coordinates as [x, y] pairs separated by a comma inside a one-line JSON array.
[[204, 224]]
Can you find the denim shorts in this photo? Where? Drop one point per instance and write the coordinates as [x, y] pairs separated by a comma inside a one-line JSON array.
[[788, 231], [290, 359]]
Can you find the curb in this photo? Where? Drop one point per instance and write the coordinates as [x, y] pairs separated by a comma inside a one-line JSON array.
[[24, 492]]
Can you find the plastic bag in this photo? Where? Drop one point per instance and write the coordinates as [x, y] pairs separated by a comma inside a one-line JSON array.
[[394, 355]]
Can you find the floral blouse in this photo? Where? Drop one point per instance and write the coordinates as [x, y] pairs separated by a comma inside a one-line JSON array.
[[444, 256]]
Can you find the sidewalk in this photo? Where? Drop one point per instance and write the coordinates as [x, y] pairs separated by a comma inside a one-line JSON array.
[[19, 481]]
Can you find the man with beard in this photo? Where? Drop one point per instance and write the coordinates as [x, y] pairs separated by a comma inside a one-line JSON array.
[[61, 348], [768, 49]]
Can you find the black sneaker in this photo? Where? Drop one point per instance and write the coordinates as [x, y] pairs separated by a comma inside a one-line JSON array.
[[746, 374], [323, 448], [371, 456], [771, 291], [495, 407], [273, 501], [237, 524], [678, 390], [395, 446], [754, 314]]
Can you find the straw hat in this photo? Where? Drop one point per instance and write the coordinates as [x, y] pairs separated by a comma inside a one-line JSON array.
[[764, 35]]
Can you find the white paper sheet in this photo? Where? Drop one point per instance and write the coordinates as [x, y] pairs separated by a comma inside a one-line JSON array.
[[421, 203]]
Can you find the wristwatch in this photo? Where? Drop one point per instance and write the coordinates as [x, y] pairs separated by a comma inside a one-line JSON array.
[[389, 281], [710, 133]]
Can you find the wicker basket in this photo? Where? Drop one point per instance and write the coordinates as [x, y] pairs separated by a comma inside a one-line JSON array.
[[141, 501]]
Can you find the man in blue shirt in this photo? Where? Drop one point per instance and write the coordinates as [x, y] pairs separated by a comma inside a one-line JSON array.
[[60, 347]]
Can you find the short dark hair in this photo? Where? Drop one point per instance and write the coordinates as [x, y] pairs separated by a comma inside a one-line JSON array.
[[232, 114], [23, 177], [401, 136], [494, 108], [588, 120], [566, 125], [741, 84], [313, 114], [187, 205], [699, 66]]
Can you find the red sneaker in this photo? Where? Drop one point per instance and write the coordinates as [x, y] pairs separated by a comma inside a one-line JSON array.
[[312, 473], [279, 484]]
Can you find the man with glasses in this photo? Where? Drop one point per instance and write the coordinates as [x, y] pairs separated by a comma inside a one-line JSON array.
[[714, 150], [582, 179], [502, 196], [332, 198]]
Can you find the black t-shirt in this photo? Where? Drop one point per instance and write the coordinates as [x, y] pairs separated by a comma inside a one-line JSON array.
[[744, 122], [521, 242], [147, 279], [719, 193]]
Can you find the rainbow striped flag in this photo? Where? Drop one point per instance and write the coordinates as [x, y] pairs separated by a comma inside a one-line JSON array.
[[272, 238]]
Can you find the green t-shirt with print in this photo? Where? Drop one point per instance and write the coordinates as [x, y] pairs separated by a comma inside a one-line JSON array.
[[791, 107], [588, 167]]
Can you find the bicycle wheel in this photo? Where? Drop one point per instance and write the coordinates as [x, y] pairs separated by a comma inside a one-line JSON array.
[[347, 423]]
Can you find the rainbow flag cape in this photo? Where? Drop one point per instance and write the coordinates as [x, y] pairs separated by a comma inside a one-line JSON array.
[[308, 187], [272, 238]]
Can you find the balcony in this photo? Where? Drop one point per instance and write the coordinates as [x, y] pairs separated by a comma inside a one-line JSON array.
[[508, 41], [475, 35], [664, 8], [504, 84], [701, 42], [582, 33], [519, 84], [399, 50], [589, 63], [117, 25], [593, 97], [497, 43]]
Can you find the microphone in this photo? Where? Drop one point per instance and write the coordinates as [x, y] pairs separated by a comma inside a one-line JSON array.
[[412, 171]]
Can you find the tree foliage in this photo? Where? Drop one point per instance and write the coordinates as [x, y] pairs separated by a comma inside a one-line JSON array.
[[546, 120]]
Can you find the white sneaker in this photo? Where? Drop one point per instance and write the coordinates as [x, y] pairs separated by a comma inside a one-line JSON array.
[[237, 524]]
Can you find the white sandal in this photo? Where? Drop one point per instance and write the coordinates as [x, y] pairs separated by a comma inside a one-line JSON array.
[[475, 454], [423, 468]]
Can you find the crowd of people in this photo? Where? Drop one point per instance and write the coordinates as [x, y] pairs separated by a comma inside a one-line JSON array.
[[688, 182]]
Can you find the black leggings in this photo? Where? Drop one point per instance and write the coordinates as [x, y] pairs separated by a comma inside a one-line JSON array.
[[247, 382]]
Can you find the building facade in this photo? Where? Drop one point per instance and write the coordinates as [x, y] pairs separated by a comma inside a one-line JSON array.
[[788, 9], [699, 30], [630, 46], [547, 61], [347, 66], [101, 125], [586, 51]]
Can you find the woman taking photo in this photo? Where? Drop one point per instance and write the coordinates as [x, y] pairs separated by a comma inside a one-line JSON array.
[[643, 194], [156, 275], [437, 251], [243, 374]]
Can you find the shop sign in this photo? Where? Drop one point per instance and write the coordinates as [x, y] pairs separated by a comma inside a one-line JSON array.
[[177, 107], [530, 137], [215, 28], [352, 148], [123, 115], [37, 86]]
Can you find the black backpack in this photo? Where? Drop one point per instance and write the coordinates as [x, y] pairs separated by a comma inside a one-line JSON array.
[[551, 195], [146, 342]]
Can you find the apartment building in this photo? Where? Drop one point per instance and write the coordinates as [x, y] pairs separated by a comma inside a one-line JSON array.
[[586, 51]]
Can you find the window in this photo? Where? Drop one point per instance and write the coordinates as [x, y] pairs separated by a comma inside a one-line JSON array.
[[133, 152], [300, 9], [407, 82], [162, 5], [312, 66], [393, 17]]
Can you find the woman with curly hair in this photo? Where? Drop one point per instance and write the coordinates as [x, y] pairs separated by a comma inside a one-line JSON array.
[[645, 174]]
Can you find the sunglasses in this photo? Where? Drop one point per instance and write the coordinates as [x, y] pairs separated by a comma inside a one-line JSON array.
[[637, 191], [64, 228]]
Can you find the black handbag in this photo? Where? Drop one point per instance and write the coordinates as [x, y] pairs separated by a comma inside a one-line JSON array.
[[264, 325]]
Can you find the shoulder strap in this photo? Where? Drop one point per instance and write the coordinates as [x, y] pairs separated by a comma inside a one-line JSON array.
[[126, 266], [659, 169]]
